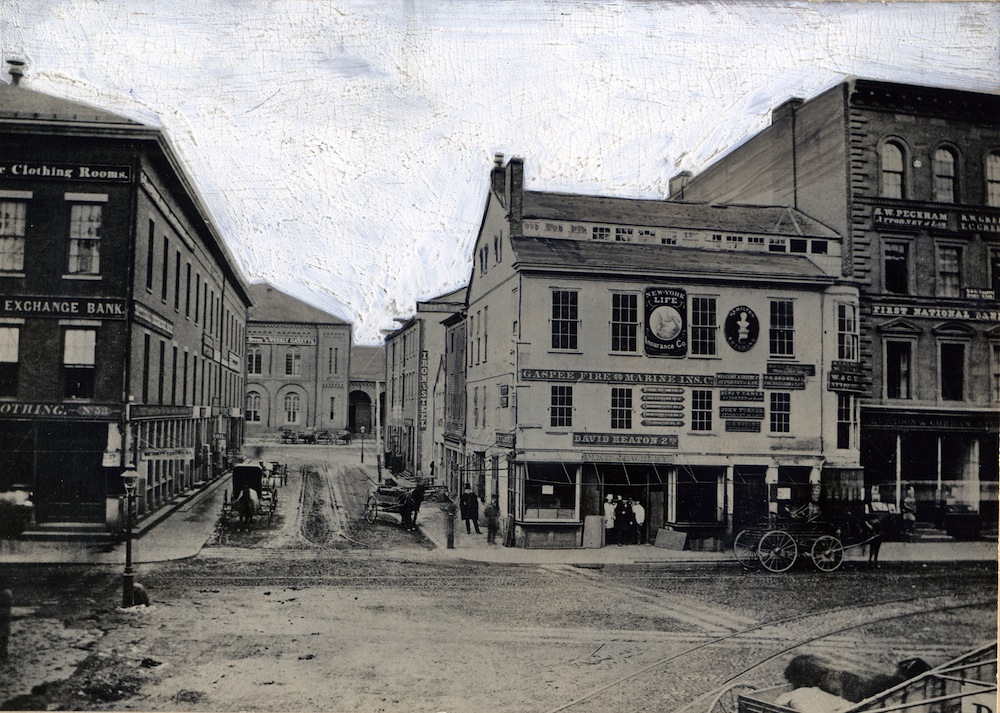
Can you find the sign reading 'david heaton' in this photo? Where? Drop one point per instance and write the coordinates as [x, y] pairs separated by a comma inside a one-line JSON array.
[[742, 328], [666, 322]]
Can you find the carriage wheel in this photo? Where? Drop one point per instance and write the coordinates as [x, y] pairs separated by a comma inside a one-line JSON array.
[[827, 553], [777, 551], [745, 549], [371, 509], [728, 700]]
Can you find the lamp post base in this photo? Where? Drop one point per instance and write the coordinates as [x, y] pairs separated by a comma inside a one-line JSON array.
[[128, 589]]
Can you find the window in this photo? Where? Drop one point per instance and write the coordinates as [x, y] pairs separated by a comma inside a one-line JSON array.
[[255, 358], [896, 270], [701, 410], [949, 271], [561, 406], [85, 239], [187, 289], [197, 296], [293, 362], [484, 259], [184, 384], [564, 319], [173, 378], [703, 326], [165, 268], [333, 408], [475, 407], [995, 274], [781, 412], [292, 408], [150, 252], [9, 343], [944, 176], [898, 357], [163, 372], [600, 233], [334, 360], [782, 335], [621, 407], [79, 348], [623, 235], [486, 331], [550, 492], [952, 371], [847, 332], [253, 407], [993, 179], [624, 322], [177, 282], [797, 245], [12, 222], [145, 368], [995, 370], [845, 420], [893, 171]]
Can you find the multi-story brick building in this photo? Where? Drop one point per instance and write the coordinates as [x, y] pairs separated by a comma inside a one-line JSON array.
[[698, 358], [122, 314], [910, 176]]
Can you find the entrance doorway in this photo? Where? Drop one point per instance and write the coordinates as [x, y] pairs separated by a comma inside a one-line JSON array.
[[359, 412]]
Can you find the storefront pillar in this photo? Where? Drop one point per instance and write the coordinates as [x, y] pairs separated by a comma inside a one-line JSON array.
[[771, 480], [728, 495], [899, 471]]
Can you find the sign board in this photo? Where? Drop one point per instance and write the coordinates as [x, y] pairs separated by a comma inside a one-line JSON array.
[[616, 377], [979, 222], [422, 404], [741, 412], [65, 171], [62, 307], [742, 328], [909, 217], [60, 411], [742, 381], [781, 367], [740, 395], [743, 426], [624, 439], [789, 382], [972, 315], [666, 321]]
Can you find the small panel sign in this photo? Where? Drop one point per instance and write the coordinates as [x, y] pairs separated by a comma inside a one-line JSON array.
[[789, 382], [741, 412], [741, 328], [743, 426]]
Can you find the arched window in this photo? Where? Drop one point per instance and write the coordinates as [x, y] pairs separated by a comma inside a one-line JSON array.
[[292, 408], [253, 407], [893, 170], [293, 362], [944, 176], [255, 360], [993, 178]]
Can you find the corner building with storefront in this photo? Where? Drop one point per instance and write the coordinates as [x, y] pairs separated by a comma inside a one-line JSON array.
[[910, 176], [122, 314], [658, 351]]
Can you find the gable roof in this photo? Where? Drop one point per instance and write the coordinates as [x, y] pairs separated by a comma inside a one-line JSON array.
[[635, 259], [367, 363], [766, 220], [272, 305], [19, 102]]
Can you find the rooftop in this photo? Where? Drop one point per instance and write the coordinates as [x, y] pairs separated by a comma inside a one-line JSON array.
[[272, 305]]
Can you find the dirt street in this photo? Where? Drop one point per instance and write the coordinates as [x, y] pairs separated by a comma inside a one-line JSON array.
[[323, 611]]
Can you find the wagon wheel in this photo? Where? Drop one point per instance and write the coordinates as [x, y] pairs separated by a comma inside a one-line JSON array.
[[371, 509], [728, 699], [777, 551], [745, 549], [827, 553]]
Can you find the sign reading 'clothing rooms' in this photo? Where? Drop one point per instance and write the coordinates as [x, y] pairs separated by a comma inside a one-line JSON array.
[[64, 171]]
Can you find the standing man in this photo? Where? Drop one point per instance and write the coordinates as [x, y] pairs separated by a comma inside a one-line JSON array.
[[492, 513], [623, 521], [639, 513], [470, 509], [609, 518]]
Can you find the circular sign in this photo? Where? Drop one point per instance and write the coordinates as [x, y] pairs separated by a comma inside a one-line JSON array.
[[665, 322], [742, 328]]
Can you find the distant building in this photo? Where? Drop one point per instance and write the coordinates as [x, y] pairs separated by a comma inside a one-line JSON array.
[[122, 317], [910, 176], [367, 389], [657, 351], [412, 353], [298, 363], [451, 459]]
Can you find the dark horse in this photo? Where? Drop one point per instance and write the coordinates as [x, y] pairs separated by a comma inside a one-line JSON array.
[[247, 505]]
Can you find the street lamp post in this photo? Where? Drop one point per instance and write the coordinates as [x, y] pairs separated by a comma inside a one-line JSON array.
[[362, 444], [130, 479]]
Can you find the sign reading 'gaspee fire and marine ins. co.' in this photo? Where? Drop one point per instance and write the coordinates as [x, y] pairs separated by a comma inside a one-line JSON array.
[[666, 322]]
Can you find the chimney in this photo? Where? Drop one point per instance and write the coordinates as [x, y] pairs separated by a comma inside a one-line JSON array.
[[516, 168], [786, 109], [497, 177], [16, 69], [678, 183]]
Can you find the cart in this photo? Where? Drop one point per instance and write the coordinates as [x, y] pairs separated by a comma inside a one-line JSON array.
[[258, 477], [966, 683], [777, 546], [385, 498]]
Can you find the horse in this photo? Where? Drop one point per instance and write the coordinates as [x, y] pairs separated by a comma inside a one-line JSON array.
[[247, 505]]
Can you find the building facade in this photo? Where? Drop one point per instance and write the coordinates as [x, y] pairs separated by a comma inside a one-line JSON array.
[[687, 356], [298, 362], [413, 353], [367, 391], [451, 454], [123, 314], [910, 176]]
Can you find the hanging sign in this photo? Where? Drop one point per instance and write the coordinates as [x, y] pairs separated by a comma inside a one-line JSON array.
[[741, 328], [666, 322]]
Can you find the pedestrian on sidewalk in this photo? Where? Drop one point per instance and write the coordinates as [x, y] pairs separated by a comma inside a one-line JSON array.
[[418, 497], [623, 521], [639, 514], [470, 510], [492, 513], [609, 518]]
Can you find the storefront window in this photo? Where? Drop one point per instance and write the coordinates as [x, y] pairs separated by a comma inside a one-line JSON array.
[[551, 491]]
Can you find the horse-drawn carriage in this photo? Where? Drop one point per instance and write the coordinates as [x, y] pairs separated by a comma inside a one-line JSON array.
[[255, 492], [401, 497]]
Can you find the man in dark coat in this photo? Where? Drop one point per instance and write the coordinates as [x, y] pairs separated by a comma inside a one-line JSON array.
[[417, 498], [470, 509]]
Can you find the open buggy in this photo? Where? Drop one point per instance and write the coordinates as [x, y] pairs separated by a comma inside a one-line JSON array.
[[255, 491], [395, 496]]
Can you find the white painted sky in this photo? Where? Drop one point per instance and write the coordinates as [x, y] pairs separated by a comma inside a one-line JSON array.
[[343, 148]]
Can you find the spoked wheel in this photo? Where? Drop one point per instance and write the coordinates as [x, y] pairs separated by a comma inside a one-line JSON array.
[[371, 509], [777, 551], [827, 553], [745, 549], [728, 699]]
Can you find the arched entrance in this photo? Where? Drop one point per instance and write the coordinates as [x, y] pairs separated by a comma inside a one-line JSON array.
[[360, 412]]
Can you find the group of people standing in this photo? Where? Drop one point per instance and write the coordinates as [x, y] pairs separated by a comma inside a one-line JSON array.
[[469, 505], [624, 521]]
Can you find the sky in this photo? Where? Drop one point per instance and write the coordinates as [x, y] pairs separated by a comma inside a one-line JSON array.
[[343, 148]]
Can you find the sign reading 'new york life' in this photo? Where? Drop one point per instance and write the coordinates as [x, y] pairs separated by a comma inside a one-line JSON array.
[[666, 321]]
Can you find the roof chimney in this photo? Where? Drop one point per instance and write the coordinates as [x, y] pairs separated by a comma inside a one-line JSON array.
[[786, 109], [16, 69], [678, 183], [498, 177]]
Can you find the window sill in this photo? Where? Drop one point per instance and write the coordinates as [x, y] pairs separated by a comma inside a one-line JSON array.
[[564, 351], [13, 274], [621, 354], [79, 276], [701, 434]]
